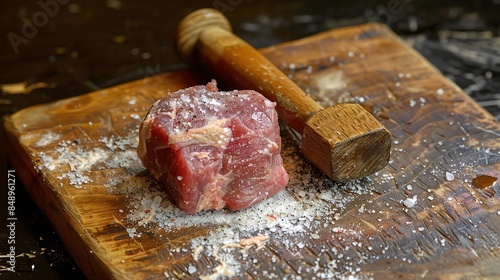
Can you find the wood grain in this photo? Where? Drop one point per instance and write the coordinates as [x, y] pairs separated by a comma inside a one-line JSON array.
[[442, 140]]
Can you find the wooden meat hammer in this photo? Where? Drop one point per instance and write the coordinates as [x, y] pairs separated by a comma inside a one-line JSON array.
[[344, 141]]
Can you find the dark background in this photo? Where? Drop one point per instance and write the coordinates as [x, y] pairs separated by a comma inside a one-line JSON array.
[[82, 46]]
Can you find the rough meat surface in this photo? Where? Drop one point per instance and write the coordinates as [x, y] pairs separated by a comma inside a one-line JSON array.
[[213, 149]]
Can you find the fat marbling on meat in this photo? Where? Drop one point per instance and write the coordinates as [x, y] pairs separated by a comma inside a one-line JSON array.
[[213, 149]]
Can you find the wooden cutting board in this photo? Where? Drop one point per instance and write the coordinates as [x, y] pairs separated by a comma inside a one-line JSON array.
[[434, 211]]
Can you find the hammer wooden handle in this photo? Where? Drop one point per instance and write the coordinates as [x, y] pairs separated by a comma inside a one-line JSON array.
[[344, 141], [240, 65]]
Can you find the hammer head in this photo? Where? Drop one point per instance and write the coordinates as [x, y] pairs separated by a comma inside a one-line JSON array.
[[192, 26], [346, 142]]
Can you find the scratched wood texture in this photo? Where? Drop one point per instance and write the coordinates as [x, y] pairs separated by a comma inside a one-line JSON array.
[[452, 231]]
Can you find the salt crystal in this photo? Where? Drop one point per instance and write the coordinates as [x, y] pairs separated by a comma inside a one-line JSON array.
[[135, 117], [410, 202], [191, 269], [440, 91], [449, 176], [412, 103], [350, 54], [257, 116], [179, 178], [131, 232]]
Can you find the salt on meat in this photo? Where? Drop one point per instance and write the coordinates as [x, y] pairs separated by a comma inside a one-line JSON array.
[[213, 149]]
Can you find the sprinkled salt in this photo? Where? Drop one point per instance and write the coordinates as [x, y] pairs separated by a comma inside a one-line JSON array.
[[449, 176], [440, 91], [412, 103], [48, 138], [292, 212], [196, 252]]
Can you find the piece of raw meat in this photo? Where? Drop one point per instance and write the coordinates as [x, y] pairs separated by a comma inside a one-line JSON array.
[[213, 149]]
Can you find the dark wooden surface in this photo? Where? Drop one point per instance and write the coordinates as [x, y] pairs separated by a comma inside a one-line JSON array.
[[91, 45]]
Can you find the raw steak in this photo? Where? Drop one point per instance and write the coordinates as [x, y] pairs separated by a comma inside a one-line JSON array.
[[213, 149]]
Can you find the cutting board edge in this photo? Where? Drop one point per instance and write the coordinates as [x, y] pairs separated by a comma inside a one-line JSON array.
[[88, 260]]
